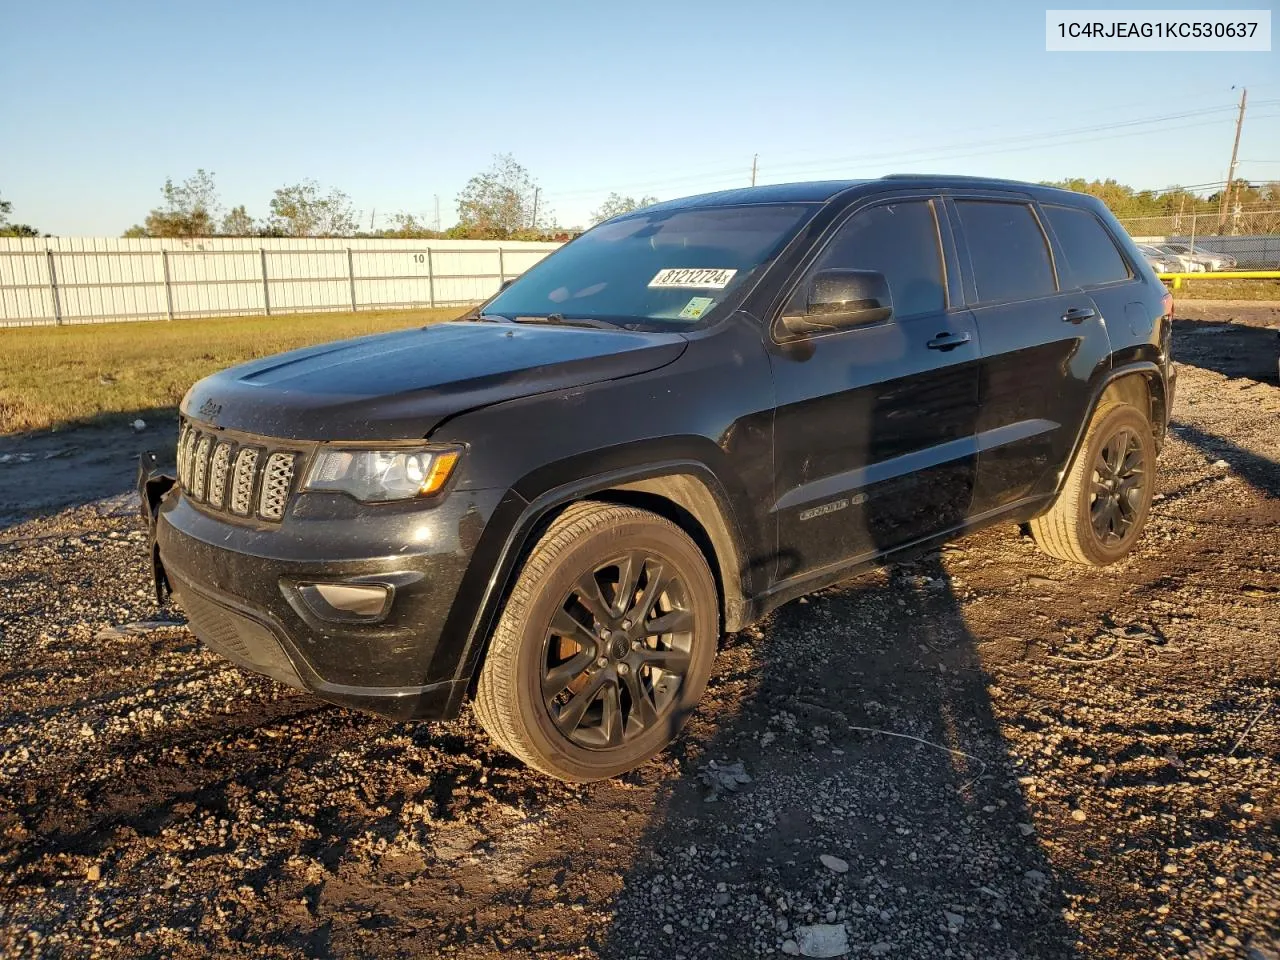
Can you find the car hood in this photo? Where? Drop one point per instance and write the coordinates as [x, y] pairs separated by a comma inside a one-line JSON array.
[[401, 385]]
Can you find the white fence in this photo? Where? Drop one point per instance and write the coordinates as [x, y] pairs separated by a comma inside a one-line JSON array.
[[56, 280]]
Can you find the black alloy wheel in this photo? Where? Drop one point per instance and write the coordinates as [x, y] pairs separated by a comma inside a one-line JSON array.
[[1118, 486], [617, 651], [1106, 495], [604, 645]]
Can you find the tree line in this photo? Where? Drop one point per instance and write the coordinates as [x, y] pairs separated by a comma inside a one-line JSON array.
[[8, 229], [505, 202], [1126, 202], [500, 203]]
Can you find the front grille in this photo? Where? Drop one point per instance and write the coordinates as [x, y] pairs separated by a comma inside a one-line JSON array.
[[186, 437], [218, 474], [242, 481], [277, 478], [200, 469], [246, 477]]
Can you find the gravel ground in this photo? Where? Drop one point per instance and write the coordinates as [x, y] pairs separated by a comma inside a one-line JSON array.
[[1096, 772]]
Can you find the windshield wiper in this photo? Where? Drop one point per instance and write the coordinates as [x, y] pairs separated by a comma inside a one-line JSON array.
[[558, 320]]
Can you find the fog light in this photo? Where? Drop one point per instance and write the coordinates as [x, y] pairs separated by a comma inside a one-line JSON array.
[[346, 601]]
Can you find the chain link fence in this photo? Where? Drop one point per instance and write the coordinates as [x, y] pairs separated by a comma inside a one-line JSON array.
[[1249, 233]]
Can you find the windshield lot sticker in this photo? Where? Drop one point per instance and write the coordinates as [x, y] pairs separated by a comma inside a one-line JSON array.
[[696, 307], [695, 278]]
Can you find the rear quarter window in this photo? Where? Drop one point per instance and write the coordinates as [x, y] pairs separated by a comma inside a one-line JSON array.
[[1007, 249], [1088, 245]]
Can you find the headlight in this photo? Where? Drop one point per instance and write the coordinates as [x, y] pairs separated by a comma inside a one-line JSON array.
[[380, 475]]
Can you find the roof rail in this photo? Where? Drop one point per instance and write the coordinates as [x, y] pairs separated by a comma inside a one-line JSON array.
[[963, 178]]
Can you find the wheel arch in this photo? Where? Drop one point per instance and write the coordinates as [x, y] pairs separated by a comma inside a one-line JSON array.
[[687, 501], [1141, 387], [685, 492], [1140, 383]]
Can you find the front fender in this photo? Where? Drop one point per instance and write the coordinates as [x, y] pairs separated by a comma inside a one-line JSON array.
[[530, 506]]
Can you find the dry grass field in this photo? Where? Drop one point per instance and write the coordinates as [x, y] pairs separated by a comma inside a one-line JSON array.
[[53, 377]]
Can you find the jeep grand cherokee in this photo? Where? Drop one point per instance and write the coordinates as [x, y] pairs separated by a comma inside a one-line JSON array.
[[553, 506]]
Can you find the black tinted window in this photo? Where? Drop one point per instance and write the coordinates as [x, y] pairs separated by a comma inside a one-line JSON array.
[[900, 240], [1007, 249], [1089, 248]]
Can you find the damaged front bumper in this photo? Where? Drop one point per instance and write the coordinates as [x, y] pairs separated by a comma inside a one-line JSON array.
[[257, 595], [153, 484]]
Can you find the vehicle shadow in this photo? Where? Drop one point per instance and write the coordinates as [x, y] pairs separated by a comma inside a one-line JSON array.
[[46, 471], [1232, 349], [1261, 472], [863, 716]]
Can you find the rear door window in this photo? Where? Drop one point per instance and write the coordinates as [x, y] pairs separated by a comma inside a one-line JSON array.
[[1089, 248], [1007, 249]]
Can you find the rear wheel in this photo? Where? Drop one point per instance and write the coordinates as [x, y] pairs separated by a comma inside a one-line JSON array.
[[604, 646], [1104, 503]]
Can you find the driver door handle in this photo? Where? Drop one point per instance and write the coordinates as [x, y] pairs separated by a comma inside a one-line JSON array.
[[948, 341], [1078, 315]]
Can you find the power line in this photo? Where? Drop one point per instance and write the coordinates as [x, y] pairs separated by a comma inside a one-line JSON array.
[[1034, 146], [828, 163], [1028, 138], [714, 168], [816, 167], [1045, 136]]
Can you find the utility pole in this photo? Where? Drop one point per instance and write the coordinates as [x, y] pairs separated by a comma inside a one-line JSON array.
[[534, 225], [373, 213], [754, 158], [437, 198], [1231, 170]]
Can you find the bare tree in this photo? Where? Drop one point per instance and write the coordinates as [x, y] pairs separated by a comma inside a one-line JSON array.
[[408, 226], [300, 210], [615, 205], [500, 201], [190, 208], [237, 223], [8, 229]]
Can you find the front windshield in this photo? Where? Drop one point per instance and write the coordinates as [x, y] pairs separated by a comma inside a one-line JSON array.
[[670, 267]]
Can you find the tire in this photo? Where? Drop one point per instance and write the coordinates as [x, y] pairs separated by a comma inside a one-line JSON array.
[[1080, 527], [580, 703]]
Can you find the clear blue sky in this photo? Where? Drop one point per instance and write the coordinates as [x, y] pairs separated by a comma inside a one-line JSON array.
[[397, 102]]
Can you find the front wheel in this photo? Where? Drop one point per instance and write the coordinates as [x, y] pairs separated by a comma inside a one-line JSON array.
[[604, 646], [1105, 500]]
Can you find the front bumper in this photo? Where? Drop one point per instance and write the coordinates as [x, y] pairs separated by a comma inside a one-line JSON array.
[[239, 582]]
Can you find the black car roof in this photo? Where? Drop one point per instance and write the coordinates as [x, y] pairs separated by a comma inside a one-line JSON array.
[[815, 191], [820, 191]]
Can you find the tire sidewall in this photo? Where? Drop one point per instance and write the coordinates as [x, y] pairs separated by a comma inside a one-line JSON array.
[[1123, 415], [665, 542]]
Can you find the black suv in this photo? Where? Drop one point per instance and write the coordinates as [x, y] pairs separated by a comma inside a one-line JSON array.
[[687, 416]]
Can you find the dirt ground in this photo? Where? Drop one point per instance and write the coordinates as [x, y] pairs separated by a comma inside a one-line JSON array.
[[1096, 774]]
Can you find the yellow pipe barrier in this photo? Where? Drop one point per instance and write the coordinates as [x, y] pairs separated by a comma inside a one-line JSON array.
[[1177, 278]]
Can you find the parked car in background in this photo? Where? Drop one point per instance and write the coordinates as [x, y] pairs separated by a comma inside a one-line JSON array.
[[1209, 259], [1186, 262], [672, 425], [1158, 260]]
